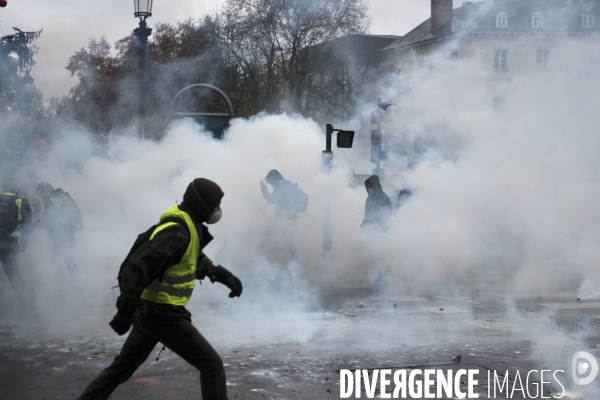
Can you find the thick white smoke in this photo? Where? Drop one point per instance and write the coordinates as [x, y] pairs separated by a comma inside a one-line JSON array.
[[509, 195]]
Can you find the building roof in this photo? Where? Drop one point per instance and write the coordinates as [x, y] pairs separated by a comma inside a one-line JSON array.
[[559, 15], [354, 48]]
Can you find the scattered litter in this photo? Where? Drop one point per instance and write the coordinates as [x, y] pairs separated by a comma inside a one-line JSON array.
[[457, 358], [441, 309], [161, 350], [361, 305]]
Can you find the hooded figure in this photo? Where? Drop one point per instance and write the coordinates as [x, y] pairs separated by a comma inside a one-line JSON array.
[[288, 200], [156, 282], [378, 208], [284, 196]]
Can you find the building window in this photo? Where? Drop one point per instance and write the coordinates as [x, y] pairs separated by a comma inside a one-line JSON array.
[[500, 60], [501, 20], [543, 56], [587, 19], [455, 24], [537, 20]]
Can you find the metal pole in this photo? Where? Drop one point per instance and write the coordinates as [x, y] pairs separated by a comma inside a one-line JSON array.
[[142, 33], [328, 134], [327, 232], [327, 156]]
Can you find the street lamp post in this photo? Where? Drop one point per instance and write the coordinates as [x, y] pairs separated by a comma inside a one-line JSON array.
[[27, 90], [143, 10]]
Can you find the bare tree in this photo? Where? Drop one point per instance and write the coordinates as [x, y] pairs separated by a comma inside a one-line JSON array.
[[268, 39]]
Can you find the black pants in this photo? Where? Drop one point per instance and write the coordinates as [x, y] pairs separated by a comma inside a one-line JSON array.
[[179, 336], [9, 257]]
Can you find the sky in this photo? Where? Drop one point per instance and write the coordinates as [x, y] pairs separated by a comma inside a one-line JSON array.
[[68, 25]]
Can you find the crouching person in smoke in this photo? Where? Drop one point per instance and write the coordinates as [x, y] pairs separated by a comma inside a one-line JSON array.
[[15, 228], [377, 222], [61, 217], [156, 281], [289, 200]]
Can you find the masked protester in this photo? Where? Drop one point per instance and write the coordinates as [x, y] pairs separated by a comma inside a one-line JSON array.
[[378, 208], [378, 220], [61, 217], [156, 282], [15, 228], [289, 200]]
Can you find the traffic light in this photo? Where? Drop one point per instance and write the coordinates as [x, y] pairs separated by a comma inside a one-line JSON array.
[[375, 145], [345, 139], [377, 154], [376, 116]]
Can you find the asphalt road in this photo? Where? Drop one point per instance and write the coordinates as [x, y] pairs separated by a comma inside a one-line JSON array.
[[298, 355]]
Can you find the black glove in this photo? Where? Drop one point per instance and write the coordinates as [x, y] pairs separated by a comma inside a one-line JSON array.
[[222, 275], [126, 306], [235, 285], [121, 323], [124, 318]]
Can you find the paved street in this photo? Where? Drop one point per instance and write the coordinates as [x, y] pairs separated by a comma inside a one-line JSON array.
[[297, 355]]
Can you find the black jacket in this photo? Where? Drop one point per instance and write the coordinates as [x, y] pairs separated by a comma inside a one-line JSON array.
[[284, 195], [378, 208]]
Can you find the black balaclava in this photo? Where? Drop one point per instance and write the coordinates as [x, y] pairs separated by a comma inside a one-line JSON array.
[[374, 183], [274, 177], [200, 199]]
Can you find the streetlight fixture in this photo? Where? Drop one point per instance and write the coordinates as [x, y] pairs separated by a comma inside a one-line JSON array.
[[142, 10], [27, 82]]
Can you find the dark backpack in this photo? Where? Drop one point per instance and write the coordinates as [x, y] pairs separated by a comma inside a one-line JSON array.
[[143, 238], [9, 215], [298, 199], [70, 214]]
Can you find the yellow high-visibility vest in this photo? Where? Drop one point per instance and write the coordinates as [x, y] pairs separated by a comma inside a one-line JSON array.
[[179, 279], [17, 232], [58, 202]]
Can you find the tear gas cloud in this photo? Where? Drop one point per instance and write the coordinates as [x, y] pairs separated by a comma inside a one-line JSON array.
[[505, 195]]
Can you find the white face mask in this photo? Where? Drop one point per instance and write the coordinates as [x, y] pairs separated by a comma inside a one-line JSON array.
[[215, 217]]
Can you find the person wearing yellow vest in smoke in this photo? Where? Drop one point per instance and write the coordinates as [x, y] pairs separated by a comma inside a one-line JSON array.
[[15, 228], [61, 217], [156, 282]]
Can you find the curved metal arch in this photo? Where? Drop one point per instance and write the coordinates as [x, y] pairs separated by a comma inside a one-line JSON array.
[[222, 93]]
